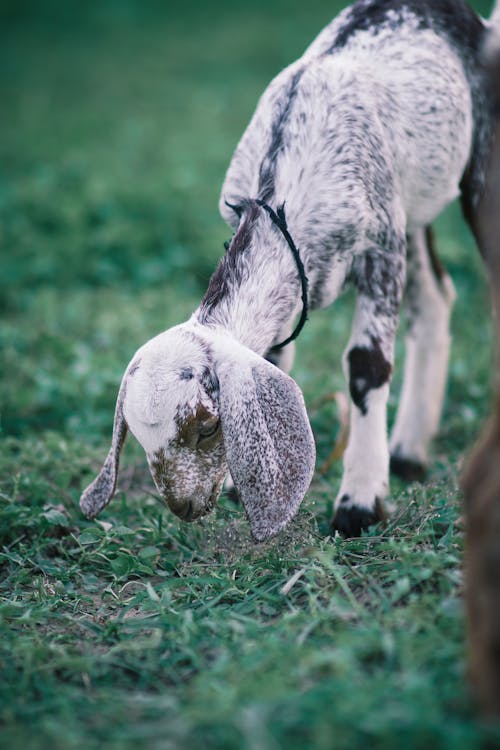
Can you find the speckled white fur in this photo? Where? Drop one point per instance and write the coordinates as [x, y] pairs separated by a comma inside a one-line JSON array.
[[364, 140]]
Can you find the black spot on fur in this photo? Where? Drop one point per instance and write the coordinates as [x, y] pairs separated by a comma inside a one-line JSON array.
[[134, 367], [351, 521], [209, 381], [186, 373], [278, 130], [406, 468], [368, 369], [451, 18]]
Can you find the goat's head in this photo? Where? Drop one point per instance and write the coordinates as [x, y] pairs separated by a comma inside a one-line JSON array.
[[199, 403]]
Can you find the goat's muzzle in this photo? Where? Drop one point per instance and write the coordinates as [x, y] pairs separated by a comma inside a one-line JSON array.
[[193, 507]]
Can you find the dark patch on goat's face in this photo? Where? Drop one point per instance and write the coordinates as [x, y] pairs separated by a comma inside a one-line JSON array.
[[209, 382], [368, 369], [189, 472], [190, 426]]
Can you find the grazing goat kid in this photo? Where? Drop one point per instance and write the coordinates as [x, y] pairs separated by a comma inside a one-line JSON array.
[[362, 142]]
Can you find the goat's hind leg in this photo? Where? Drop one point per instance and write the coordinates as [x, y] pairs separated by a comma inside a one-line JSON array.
[[429, 300]]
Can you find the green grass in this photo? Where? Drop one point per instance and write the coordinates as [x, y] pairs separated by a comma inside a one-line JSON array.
[[138, 630]]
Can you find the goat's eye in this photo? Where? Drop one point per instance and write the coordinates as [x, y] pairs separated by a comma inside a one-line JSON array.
[[208, 429]]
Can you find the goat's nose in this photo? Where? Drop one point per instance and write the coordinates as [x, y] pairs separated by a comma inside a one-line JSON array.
[[181, 508], [186, 511]]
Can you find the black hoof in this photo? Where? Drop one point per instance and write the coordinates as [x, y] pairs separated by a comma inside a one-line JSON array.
[[406, 468], [351, 520]]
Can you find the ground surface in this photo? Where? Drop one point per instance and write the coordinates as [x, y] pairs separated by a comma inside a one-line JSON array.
[[136, 630]]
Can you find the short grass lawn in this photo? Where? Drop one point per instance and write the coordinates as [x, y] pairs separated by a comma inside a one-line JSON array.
[[136, 630]]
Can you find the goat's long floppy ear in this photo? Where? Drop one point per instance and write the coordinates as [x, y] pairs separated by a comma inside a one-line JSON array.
[[99, 493], [268, 440]]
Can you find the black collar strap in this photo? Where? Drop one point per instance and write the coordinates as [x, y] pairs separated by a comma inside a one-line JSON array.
[[278, 218]]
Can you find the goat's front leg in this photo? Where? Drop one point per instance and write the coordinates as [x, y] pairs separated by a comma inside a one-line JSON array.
[[368, 362]]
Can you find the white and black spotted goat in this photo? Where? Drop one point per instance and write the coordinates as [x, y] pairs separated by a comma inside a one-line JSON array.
[[364, 140]]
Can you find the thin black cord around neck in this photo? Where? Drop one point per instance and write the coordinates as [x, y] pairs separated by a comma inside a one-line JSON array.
[[278, 218]]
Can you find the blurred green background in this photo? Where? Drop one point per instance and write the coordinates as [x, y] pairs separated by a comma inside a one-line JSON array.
[[119, 118]]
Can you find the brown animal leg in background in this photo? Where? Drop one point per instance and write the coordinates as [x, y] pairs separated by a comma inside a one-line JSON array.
[[481, 484], [481, 480]]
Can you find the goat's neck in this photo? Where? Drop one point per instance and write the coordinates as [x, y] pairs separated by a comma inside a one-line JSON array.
[[254, 293]]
